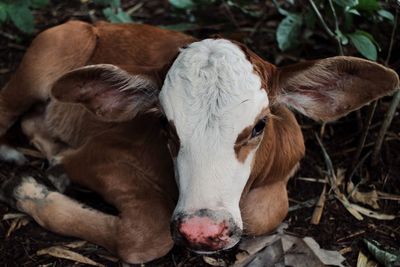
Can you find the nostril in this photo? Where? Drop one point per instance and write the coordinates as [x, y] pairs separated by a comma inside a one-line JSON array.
[[205, 230]]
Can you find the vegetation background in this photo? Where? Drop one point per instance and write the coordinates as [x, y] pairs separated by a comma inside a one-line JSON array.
[[355, 159]]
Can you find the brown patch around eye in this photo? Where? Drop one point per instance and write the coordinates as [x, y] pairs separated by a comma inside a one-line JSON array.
[[174, 142], [244, 143]]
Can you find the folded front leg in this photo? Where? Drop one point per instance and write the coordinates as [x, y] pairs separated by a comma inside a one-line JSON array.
[[139, 234], [27, 190]]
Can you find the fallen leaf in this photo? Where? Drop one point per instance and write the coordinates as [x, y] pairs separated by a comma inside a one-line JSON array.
[[272, 255], [387, 258], [17, 224], [10, 216], [298, 254], [214, 262], [327, 257], [254, 244], [372, 214], [340, 175], [64, 253], [363, 261], [282, 249], [76, 244], [319, 208], [368, 198]]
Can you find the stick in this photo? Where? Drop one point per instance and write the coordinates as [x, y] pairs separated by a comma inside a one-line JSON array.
[[393, 105]]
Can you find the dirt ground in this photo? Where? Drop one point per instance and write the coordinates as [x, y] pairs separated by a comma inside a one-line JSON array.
[[338, 229]]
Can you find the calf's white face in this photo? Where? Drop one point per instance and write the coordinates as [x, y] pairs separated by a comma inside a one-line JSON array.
[[211, 94]]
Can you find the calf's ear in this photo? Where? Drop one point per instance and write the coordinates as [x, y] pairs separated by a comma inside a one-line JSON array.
[[330, 88], [108, 91]]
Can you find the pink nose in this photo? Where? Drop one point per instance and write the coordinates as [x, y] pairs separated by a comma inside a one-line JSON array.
[[205, 230]]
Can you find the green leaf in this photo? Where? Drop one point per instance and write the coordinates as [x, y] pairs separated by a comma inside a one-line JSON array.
[[352, 11], [123, 17], [22, 17], [245, 9], [288, 31], [386, 14], [3, 12], [369, 36], [180, 27], [39, 3], [182, 4], [364, 45], [386, 257], [368, 5], [346, 3], [343, 39], [116, 16]]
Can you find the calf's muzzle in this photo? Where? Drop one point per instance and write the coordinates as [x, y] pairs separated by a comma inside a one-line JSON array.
[[205, 230]]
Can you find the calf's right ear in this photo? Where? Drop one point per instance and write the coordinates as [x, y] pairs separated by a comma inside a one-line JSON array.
[[327, 89], [108, 91]]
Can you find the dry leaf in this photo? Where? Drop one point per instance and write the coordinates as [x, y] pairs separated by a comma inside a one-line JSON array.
[[346, 203], [368, 198], [340, 175], [214, 262], [372, 214], [76, 244], [319, 207], [10, 216], [272, 255], [327, 257], [387, 196], [17, 224], [63, 253], [362, 261]]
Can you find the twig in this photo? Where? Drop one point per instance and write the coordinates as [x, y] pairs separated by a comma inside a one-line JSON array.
[[336, 28], [314, 6], [363, 138], [393, 105], [319, 208], [331, 34]]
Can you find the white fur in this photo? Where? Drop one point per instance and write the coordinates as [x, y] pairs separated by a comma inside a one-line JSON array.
[[211, 93]]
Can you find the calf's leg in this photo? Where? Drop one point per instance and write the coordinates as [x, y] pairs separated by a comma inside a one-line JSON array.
[[139, 234], [27, 190]]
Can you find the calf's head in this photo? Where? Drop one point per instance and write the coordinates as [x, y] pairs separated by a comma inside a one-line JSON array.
[[216, 99]]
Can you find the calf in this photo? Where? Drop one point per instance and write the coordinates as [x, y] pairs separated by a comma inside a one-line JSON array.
[[176, 133]]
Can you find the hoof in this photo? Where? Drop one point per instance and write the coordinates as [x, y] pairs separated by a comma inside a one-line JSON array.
[[14, 177]]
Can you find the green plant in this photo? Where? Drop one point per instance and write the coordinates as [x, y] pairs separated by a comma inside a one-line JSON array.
[[113, 11], [19, 12], [339, 13]]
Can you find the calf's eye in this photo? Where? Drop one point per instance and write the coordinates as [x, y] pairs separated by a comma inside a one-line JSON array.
[[259, 127]]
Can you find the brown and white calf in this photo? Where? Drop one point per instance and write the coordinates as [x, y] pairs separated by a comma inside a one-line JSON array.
[[215, 165]]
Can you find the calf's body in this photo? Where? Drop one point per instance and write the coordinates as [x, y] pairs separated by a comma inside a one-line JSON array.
[[128, 157]]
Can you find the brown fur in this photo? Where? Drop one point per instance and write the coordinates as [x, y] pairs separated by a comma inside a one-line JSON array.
[[128, 162]]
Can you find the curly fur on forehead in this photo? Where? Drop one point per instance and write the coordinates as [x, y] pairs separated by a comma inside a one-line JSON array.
[[211, 77]]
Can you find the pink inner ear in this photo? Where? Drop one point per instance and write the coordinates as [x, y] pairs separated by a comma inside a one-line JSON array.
[[108, 91]]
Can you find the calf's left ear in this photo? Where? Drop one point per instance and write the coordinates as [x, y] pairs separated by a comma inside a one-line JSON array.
[[109, 92], [330, 88]]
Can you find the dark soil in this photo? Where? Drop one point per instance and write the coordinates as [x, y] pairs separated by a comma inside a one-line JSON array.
[[337, 230]]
